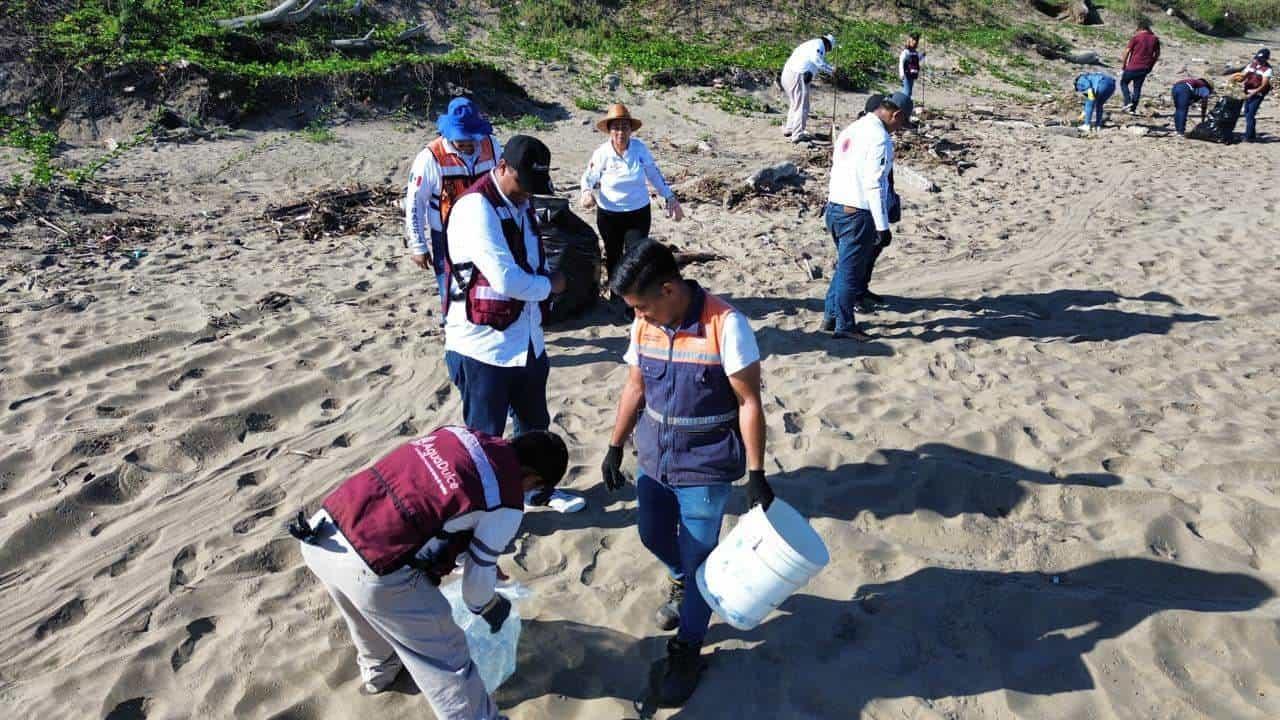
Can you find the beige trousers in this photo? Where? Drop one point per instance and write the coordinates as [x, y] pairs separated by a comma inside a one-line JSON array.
[[797, 91]]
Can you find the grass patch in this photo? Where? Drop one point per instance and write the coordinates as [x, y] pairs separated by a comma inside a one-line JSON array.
[[590, 104], [39, 147], [731, 102], [525, 123]]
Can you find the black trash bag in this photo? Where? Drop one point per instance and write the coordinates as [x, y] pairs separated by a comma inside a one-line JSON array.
[[573, 249], [1220, 125]]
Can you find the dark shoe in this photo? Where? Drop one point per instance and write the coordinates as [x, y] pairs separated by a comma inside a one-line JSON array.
[[857, 335], [828, 324], [667, 616], [873, 297], [681, 674], [865, 306]]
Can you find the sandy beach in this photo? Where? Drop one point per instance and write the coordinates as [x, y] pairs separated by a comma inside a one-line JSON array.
[[1050, 486]]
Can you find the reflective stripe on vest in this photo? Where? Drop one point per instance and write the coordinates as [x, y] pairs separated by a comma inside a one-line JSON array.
[[691, 422], [455, 175], [393, 509]]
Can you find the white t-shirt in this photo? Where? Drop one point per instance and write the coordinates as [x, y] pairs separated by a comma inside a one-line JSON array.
[[619, 180], [738, 348], [809, 57]]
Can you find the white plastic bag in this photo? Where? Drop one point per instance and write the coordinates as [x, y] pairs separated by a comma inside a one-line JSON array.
[[493, 653]]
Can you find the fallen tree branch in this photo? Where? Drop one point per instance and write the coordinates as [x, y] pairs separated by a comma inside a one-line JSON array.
[[286, 13], [360, 43], [412, 32]]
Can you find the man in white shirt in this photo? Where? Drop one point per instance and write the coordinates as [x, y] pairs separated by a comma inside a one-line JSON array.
[[465, 150], [497, 277], [857, 212], [807, 60]]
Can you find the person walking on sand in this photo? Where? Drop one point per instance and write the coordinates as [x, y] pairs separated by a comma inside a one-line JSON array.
[[1140, 57], [1185, 92], [909, 63], [858, 209], [465, 150], [1256, 79], [497, 277], [1096, 88], [692, 396], [385, 537], [806, 61], [614, 183]]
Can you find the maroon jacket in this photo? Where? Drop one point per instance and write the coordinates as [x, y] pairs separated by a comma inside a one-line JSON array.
[[391, 510], [1143, 51]]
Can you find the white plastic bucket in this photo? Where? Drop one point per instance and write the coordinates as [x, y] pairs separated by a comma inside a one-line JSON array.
[[763, 560]]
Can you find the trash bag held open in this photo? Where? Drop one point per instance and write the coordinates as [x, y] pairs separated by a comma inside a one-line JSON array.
[[573, 249], [493, 653]]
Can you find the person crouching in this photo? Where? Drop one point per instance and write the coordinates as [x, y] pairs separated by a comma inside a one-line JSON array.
[[386, 536]]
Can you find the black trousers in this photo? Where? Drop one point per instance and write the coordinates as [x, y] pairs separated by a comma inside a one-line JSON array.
[[618, 230]]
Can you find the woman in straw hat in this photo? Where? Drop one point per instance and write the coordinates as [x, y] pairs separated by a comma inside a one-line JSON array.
[[614, 184]]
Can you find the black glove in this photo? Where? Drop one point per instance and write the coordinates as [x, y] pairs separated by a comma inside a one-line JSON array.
[[611, 469], [496, 612], [884, 237], [758, 490]]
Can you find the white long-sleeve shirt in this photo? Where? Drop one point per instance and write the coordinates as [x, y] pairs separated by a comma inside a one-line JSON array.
[[475, 236], [809, 57], [618, 181], [420, 217], [492, 531], [861, 162]]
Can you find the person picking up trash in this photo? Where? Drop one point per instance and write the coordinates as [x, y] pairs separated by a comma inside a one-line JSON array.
[[386, 536], [465, 150], [1097, 88], [692, 397], [805, 62], [1185, 92]]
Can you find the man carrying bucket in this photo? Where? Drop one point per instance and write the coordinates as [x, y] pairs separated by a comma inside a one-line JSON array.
[[693, 398], [385, 537]]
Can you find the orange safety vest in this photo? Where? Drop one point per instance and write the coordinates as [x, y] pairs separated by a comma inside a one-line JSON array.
[[455, 175]]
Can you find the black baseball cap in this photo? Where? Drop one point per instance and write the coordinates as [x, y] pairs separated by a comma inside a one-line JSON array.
[[532, 162]]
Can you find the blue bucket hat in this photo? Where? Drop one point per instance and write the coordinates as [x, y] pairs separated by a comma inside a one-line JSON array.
[[462, 122]]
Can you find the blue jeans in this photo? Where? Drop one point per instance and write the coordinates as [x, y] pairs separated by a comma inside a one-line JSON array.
[[437, 263], [1182, 99], [1134, 78], [489, 391], [855, 238], [908, 84], [1251, 105], [681, 526], [1093, 108]]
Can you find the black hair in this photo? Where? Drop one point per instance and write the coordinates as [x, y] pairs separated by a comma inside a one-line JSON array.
[[1144, 23], [543, 452], [914, 36], [826, 44], [874, 102], [646, 266]]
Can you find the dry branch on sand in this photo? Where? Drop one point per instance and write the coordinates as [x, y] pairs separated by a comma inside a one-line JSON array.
[[288, 13], [345, 211]]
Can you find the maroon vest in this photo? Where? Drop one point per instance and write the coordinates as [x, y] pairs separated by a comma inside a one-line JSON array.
[[1253, 75], [484, 305], [390, 510]]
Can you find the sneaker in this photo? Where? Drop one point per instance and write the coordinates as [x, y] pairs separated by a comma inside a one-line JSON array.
[[667, 616], [681, 674], [801, 137], [865, 306], [857, 335]]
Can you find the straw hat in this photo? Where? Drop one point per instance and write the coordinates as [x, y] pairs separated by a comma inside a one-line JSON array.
[[617, 111]]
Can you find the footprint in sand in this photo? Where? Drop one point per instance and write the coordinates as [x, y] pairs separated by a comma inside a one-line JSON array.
[[589, 572], [183, 563], [195, 630], [131, 709], [131, 553], [191, 374], [66, 616]]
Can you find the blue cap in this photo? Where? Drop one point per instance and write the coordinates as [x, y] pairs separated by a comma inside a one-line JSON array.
[[463, 122]]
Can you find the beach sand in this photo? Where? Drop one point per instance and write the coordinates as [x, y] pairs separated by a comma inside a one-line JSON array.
[[1049, 485]]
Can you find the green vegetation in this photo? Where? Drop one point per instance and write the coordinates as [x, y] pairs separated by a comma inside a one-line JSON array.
[[24, 133], [590, 104], [164, 32], [731, 102], [39, 146], [526, 123]]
